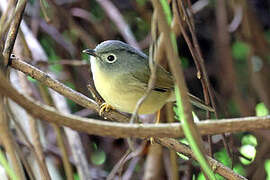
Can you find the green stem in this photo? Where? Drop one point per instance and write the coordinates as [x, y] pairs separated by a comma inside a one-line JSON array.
[[4, 163]]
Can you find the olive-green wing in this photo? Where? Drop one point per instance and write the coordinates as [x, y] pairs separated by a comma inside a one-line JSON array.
[[164, 81]]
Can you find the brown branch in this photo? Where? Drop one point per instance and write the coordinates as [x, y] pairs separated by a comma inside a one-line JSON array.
[[154, 163], [103, 128], [7, 140], [21, 133], [33, 125], [6, 17], [59, 137], [216, 166], [74, 141], [12, 34]]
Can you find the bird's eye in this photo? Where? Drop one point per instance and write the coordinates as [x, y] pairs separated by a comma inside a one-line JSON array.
[[111, 58]]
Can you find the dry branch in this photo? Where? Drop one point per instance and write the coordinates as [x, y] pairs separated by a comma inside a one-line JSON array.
[[103, 128], [12, 34], [215, 165]]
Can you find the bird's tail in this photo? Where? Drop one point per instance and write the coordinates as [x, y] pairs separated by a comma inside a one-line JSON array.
[[199, 103]]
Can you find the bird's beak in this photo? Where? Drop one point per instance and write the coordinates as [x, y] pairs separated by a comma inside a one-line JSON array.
[[90, 52]]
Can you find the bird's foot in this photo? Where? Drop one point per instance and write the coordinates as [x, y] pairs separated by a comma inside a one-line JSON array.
[[104, 107]]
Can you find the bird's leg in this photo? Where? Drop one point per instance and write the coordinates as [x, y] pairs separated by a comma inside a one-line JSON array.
[[158, 117], [157, 122], [105, 107]]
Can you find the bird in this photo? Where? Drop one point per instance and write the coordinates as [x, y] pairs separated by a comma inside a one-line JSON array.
[[121, 74]]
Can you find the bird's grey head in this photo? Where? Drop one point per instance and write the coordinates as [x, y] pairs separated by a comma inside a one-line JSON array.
[[113, 55]]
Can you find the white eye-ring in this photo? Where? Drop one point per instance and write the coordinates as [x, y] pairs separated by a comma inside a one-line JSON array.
[[111, 58]]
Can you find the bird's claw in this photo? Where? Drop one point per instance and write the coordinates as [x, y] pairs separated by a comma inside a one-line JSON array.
[[104, 107]]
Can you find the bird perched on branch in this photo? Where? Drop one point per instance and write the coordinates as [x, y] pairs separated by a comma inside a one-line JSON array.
[[121, 74]]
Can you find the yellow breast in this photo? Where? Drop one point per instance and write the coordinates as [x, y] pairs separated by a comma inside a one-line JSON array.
[[124, 98]]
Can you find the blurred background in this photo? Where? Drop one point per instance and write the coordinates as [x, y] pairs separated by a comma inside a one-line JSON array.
[[233, 36]]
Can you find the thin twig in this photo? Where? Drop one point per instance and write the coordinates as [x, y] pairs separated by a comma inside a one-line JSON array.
[[43, 10], [95, 94], [74, 141], [22, 134], [126, 157], [12, 34], [153, 66], [7, 140], [4, 22], [119, 164], [59, 136], [7, 10]]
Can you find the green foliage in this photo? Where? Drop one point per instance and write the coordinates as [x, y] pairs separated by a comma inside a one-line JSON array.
[[261, 110], [48, 45], [138, 168], [56, 68], [45, 3], [8, 169], [85, 57], [31, 79], [141, 27], [182, 156], [98, 156], [71, 104], [267, 35], [249, 152], [248, 148], [240, 50], [184, 62], [76, 176], [223, 157], [31, 1], [202, 177], [267, 168], [97, 11], [238, 168], [249, 139], [232, 108], [183, 141], [141, 2], [167, 11], [71, 36]]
